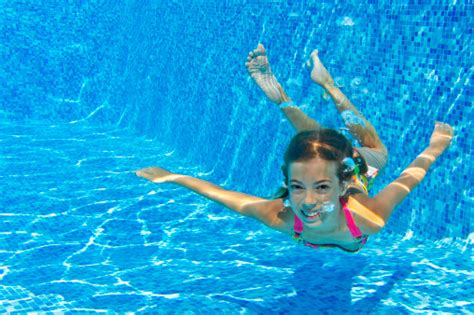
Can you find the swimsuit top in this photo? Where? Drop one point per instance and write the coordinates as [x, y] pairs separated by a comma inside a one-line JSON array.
[[356, 233]]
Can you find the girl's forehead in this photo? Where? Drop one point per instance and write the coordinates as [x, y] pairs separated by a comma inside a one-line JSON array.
[[313, 170]]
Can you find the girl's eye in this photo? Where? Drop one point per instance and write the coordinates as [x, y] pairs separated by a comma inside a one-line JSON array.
[[295, 187], [323, 188]]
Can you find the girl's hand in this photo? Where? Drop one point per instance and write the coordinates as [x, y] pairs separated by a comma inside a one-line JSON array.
[[441, 136], [155, 174]]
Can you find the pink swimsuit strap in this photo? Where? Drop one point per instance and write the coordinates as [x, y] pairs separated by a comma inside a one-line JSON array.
[[350, 220], [298, 225], [355, 231]]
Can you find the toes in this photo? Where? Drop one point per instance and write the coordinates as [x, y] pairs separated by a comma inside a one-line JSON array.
[[312, 58], [259, 51]]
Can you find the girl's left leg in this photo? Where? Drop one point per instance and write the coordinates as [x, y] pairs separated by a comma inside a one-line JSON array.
[[259, 69]]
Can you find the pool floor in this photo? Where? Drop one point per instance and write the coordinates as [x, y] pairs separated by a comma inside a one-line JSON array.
[[79, 232]]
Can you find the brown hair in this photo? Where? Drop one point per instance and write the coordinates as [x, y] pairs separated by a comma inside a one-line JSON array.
[[327, 144]]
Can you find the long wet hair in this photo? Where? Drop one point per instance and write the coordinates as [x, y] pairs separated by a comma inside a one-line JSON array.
[[327, 144]]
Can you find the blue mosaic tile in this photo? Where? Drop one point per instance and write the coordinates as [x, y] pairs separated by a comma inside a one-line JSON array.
[[124, 65]]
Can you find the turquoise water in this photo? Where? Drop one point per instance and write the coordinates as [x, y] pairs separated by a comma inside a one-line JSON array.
[[91, 92], [77, 237]]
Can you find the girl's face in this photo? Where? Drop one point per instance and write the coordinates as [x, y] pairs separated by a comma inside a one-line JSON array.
[[314, 190]]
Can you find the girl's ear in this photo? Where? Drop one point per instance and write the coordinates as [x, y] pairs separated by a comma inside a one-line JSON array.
[[345, 187]]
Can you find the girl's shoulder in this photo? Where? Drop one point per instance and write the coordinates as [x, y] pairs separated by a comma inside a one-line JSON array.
[[365, 218], [286, 217], [276, 214]]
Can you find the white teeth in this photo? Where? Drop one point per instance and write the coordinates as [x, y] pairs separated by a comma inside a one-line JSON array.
[[326, 208], [311, 214]]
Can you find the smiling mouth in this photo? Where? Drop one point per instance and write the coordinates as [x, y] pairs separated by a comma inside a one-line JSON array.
[[312, 214]]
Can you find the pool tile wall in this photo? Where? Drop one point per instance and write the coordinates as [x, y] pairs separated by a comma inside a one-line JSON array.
[[58, 60], [174, 71]]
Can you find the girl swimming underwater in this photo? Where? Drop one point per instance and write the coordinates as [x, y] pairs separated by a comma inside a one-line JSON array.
[[324, 208], [324, 201]]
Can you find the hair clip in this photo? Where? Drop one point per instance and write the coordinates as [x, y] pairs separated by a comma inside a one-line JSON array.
[[350, 166], [349, 163]]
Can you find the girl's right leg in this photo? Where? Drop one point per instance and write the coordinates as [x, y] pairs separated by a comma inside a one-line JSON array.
[[259, 69], [358, 125]]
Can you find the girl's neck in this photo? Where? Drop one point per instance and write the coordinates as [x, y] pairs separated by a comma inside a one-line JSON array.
[[333, 222]]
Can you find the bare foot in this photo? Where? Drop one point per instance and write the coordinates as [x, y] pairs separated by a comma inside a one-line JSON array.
[[259, 69], [319, 74]]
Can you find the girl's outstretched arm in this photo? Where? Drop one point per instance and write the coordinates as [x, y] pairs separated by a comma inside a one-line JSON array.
[[391, 196], [270, 212]]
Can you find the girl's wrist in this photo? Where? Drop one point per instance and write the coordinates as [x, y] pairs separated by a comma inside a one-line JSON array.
[[434, 150], [174, 178]]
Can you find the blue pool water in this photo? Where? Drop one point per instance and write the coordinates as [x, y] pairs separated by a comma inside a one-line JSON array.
[[92, 91]]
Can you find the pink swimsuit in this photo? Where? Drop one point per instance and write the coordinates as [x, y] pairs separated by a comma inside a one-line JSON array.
[[356, 233]]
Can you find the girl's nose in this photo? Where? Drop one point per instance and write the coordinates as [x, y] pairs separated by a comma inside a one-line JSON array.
[[310, 200]]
